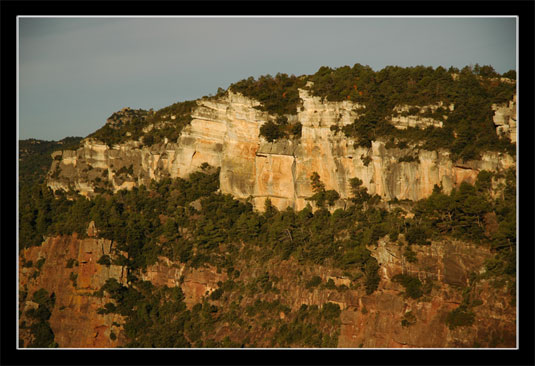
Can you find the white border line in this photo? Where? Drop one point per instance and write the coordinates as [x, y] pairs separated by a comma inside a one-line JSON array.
[[517, 294], [17, 189], [274, 17]]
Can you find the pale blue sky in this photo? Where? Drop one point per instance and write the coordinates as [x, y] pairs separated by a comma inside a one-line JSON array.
[[75, 72]]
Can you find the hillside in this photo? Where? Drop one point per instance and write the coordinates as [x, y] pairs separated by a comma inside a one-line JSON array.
[[349, 208]]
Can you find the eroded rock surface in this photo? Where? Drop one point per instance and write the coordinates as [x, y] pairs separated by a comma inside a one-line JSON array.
[[225, 133], [505, 119], [72, 273], [366, 320]]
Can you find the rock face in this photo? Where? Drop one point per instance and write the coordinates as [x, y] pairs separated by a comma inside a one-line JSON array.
[[402, 117], [225, 133], [372, 321], [72, 273], [505, 119], [377, 321], [194, 282]]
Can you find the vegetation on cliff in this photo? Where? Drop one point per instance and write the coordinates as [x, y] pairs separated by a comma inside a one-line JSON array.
[[35, 159], [191, 222], [41, 334], [468, 129], [188, 221], [151, 126], [277, 95]]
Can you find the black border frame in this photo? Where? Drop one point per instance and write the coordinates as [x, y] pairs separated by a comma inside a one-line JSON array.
[[525, 11]]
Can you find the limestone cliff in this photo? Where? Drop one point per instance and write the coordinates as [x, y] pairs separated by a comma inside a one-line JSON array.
[[224, 132], [505, 119]]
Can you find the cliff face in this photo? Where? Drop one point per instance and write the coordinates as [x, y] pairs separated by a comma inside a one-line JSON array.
[[374, 320], [72, 273], [448, 265], [225, 133], [505, 119]]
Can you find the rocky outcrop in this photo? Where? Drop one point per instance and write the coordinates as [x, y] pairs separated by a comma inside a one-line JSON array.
[[224, 133], [71, 272], [505, 119], [377, 321], [196, 283], [411, 116], [373, 321]]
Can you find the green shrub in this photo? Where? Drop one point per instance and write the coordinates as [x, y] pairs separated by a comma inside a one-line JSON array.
[[216, 295], [73, 277], [408, 159], [330, 284], [366, 160], [417, 235], [460, 317], [330, 311], [40, 263], [410, 255], [412, 285], [271, 131], [314, 282], [104, 260]]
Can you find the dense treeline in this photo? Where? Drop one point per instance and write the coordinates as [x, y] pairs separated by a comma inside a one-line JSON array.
[[188, 220], [277, 95], [468, 129], [167, 122], [472, 90], [137, 219], [147, 222]]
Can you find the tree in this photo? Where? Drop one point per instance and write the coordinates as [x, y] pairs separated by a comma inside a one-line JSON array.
[[321, 195], [297, 129], [511, 74], [271, 131], [148, 140], [360, 194], [317, 185], [331, 196]]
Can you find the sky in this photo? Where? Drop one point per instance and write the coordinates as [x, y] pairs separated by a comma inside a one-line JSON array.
[[75, 72]]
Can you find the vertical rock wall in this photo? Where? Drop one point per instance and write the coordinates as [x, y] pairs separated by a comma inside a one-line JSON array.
[[225, 133]]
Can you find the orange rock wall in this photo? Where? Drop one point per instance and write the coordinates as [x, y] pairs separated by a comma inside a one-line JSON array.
[[371, 321], [225, 134]]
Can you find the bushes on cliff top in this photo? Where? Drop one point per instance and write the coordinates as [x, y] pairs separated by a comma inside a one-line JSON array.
[[35, 159], [131, 127], [277, 95], [473, 94]]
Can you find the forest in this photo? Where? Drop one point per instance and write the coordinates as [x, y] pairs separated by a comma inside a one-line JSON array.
[[161, 220]]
